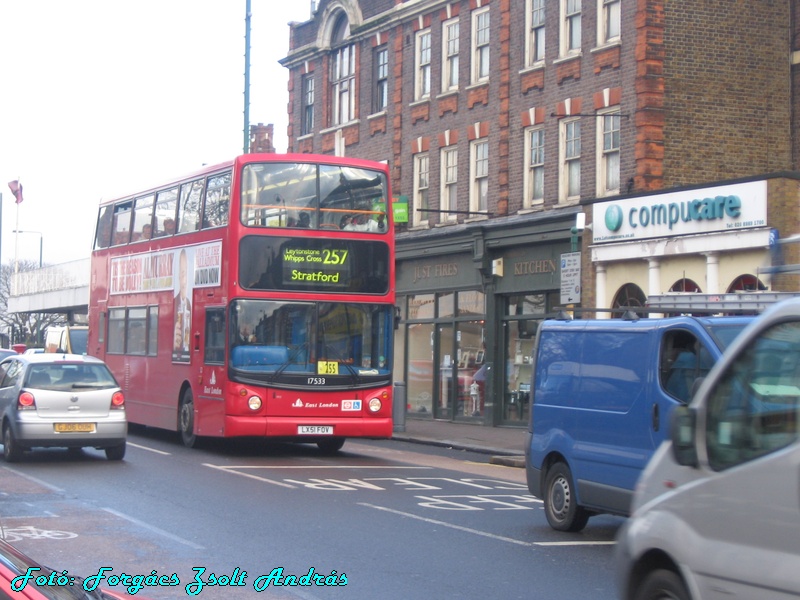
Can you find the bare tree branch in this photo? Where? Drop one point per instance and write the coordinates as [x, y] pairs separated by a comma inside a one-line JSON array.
[[25, 328]]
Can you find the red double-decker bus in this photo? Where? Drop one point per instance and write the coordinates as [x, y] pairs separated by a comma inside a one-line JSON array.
[[252, 298]]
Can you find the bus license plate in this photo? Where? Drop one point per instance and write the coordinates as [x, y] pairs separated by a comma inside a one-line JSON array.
[[74, 427], [314, 430]]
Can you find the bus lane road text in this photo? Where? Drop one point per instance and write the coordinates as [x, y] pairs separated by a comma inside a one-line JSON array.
[[461, 494]]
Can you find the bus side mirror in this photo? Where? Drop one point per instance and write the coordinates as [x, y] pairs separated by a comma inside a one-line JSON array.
[[683, 432]]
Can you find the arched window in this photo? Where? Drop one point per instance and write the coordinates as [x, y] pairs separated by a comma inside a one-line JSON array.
[[629, 295], [343, 73], [746, 283], [685, 285]]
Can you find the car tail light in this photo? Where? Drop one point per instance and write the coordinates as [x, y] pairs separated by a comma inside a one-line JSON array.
[[26, 401], [118, 400]]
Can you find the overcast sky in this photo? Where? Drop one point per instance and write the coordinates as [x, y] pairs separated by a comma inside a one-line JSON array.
[[104, 97]]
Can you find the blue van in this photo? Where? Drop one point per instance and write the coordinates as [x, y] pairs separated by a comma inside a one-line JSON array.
[[602, 394]]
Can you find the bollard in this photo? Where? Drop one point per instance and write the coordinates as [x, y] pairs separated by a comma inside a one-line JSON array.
[[399, 407]]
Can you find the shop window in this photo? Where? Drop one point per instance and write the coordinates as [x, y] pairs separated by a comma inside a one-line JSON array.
[[420, 306], [446, 304], [471, 303]]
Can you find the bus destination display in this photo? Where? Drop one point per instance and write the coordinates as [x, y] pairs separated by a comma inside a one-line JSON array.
[[318, 266]]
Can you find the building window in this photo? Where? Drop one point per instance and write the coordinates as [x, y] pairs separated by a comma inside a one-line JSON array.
[[449, 182], [609, 22], [570, 172], [308, 105], [479, 176], [342, 74], [450, 34], [570, 27], [381, 92], [343, 68], [608, 153], [421, 176], [534, 163], [535, 30], [480, 45], [422, 88]]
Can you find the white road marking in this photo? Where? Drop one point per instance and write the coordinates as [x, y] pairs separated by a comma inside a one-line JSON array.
[[256, 477], [320, 467], [484, 533], [161, 532], [150, 449]]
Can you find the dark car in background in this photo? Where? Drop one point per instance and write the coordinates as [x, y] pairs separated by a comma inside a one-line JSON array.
[[60, 400]]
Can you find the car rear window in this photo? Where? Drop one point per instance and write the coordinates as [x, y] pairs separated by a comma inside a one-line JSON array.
[[67, 376]]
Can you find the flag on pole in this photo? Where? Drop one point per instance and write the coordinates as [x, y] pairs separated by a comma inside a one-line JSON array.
[[16, 189]]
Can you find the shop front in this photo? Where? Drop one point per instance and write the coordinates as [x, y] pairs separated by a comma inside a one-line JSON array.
[[470, 303], [714, 240]]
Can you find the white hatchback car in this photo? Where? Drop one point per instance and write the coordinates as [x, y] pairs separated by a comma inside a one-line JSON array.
[[60, 400]]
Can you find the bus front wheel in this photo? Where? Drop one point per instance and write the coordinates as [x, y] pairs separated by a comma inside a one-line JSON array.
[[186, 419], [331, 446]]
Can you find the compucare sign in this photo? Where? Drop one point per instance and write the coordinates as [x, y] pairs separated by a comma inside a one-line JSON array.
[[689, 212]]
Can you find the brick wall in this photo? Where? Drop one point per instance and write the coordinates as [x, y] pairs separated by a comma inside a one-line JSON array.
[[726, 91]]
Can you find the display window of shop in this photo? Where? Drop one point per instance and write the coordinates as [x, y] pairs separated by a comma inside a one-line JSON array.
[[446, 355], [523, 313]]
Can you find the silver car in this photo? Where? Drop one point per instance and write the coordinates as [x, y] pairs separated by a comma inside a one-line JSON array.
[[60, 400]]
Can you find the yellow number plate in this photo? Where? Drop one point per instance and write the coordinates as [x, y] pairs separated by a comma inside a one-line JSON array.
[[74, 427], [327, 367]]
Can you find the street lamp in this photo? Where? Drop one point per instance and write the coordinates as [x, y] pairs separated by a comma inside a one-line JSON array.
[[41, 241]]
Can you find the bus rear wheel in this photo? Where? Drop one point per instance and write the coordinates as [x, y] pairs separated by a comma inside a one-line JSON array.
[[331, 446], [186, 419]]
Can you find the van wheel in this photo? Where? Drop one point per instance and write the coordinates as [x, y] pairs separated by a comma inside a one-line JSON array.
[[560, 505], [186, 419], [662, 585]]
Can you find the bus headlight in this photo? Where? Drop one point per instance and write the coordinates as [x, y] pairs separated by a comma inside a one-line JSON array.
[[375, 405], [254, 402]]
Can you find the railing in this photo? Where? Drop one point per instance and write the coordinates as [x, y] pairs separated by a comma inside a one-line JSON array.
[[63, 276]]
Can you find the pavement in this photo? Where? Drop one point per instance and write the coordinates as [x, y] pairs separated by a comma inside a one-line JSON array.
[[505, 445]]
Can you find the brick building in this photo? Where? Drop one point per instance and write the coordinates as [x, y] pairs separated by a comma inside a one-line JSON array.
[[667, 126]]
